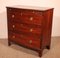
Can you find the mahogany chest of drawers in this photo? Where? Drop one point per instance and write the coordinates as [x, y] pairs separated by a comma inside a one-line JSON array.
[[30, 27]]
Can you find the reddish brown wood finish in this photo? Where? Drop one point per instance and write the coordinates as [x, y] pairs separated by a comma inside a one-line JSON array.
[[24, 39], [30, 28]]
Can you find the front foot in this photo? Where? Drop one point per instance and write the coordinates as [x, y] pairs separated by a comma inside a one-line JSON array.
[[40, 53], [9, 43], [48, 47]]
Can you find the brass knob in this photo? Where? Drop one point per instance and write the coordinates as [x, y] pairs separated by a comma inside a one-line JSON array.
[[9, 9], [13, 26], [21, 14], [21, 35], [31, 30], [33, 12], [13, 16], [31, 18], [21, 24], [30, 41], [13, 36]]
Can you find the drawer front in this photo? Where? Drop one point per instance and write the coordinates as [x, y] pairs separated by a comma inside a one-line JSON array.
[[24, 40], [26, 16], [31, 19], [24, 28], [24, 11]]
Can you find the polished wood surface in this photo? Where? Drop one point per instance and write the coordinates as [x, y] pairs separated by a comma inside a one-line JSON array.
[[30, 27]]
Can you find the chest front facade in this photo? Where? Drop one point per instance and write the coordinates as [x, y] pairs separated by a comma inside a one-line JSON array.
[[30, 28]]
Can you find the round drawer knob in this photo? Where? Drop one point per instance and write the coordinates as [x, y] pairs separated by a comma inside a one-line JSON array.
[[13, 36], [30, 41], [21, 14], [33, 12], [21, 35], [9, 9], [31, 30], [21, 24], [13, 26], [13, 16], [31, 18]]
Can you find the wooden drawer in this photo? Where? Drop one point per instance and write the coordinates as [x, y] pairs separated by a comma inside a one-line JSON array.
[[31, 19], [25, 16], [24, 28], [24, 40], [26, 19], [24, 11]]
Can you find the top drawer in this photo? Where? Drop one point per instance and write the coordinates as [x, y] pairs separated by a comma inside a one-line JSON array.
[[27, 16], [24, 11]]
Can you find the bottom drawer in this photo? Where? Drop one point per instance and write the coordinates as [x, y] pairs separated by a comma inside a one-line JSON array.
[[27, 41]]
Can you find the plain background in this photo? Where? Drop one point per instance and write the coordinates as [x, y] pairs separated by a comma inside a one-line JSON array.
[[41, 3]]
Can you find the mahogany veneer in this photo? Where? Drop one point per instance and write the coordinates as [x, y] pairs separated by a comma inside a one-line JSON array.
[[30, 27]]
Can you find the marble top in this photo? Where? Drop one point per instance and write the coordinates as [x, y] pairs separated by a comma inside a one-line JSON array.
[[31, 7]]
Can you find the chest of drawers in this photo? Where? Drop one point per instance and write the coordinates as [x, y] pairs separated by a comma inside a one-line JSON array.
[[30, 27]]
